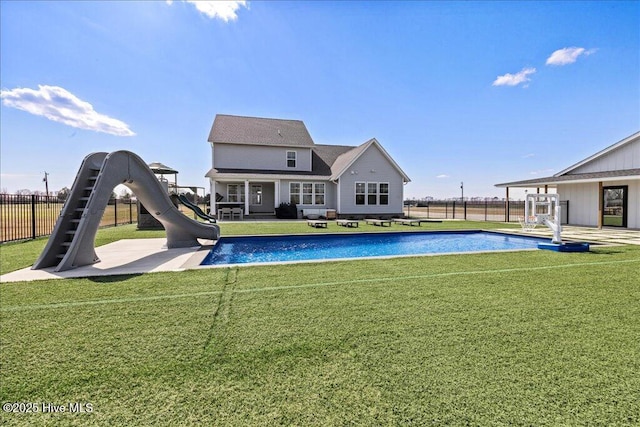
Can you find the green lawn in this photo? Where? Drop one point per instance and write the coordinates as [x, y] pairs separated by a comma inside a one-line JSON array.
[[523, 338]]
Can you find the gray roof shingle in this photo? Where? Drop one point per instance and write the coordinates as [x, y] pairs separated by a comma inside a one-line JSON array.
[[591, 176], [261, 131]]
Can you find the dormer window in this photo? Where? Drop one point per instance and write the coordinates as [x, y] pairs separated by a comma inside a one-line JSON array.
[[291, 159]]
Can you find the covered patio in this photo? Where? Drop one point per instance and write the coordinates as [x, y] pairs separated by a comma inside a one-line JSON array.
[[249, 196]]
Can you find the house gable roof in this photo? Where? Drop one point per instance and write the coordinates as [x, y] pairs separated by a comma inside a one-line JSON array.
[[635, 138], [227, 129], [344, 161], [576, 173]]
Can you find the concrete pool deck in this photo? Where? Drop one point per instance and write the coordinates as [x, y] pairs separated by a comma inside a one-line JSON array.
[[127, 256], [138, 256]]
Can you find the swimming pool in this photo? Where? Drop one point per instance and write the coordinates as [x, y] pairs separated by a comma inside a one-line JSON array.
[[309, 247]]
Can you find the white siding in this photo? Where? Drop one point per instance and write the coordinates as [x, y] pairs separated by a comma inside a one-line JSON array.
[[583, 202], [371, 166], [626, 157], [257, 157]]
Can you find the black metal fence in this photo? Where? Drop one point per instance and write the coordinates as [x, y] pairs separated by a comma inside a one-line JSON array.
[[475, 210], [24, 217]]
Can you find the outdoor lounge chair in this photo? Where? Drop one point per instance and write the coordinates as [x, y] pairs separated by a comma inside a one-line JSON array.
[[527, 225]]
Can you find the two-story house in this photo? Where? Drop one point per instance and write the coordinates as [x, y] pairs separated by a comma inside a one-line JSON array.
[[259, 163]]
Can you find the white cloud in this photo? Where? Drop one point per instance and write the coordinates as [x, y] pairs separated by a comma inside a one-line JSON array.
[[528, 156], [514, 79], [568, 55], [224, 10], [59, 105], [442, 176]]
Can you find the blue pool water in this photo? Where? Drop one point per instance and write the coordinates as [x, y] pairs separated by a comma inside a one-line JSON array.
[[264, 249]]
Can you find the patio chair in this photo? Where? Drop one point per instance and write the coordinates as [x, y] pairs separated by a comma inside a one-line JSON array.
[[224, 213], [236, 213]]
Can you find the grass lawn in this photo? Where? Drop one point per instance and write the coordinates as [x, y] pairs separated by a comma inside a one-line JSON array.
[[524, 338]]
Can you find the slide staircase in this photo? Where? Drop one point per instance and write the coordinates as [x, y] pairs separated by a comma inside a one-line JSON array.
[[71, 243]]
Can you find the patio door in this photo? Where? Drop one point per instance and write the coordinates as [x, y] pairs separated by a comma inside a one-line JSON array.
[[614, 206], [255, 194]]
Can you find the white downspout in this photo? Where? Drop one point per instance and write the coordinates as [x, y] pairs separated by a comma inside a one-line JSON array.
[[338, 204]]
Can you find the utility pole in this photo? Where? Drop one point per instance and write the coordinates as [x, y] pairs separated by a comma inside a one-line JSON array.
[[462, 189]]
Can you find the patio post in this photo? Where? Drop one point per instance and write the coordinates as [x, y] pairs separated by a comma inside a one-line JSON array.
[[276, 194], [246, 197], [506, 207], [212, 197], [600, 204]]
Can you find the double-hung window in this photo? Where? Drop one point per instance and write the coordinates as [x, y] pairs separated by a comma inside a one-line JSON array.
[[294, 193], [235, 193], [361, 192], [372, 193], [307, 193], [384, 193], [318, 193], [291, 159]]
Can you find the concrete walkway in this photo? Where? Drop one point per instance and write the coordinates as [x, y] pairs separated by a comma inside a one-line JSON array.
[[620, 236], [137, 256]]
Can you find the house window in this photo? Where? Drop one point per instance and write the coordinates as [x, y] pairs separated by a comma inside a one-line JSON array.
[[294, 193], [307, 193], [235, 193], [255, 196], [360, 193], [372, 193], [291, 159], [318, 193], [384, 193]]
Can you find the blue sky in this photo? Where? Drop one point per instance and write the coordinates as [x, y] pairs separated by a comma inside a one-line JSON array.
[[479, 92]]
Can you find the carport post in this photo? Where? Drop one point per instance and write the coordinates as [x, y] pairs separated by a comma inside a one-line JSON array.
[[506, 207], [600, 204]]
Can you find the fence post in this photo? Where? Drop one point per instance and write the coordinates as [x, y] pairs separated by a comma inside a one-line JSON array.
[[33, 216], [454, 209], [115, 212], [130, 213], [485, 210], [465, 210]]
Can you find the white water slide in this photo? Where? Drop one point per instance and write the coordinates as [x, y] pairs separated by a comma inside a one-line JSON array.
[[71, 244]]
